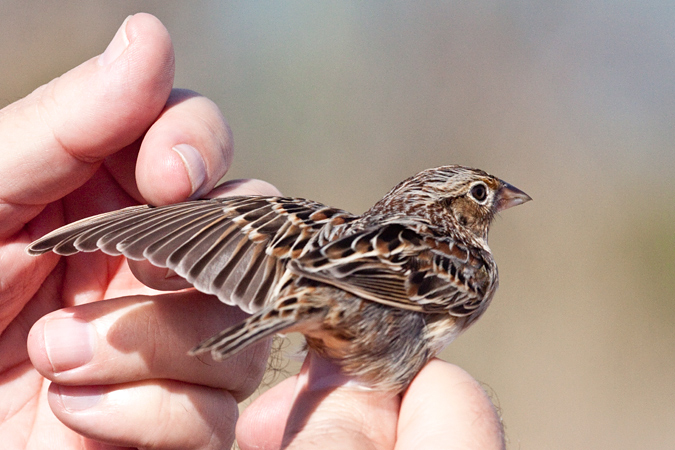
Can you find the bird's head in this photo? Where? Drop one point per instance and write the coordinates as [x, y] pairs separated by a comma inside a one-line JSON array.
[[453, 198]]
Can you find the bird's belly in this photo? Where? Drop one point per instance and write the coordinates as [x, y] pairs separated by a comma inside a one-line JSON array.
[[381, 345]]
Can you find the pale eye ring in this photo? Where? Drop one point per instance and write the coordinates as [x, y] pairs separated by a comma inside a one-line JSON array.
[[479, 192]]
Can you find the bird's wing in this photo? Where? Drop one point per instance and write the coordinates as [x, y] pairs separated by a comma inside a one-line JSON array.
[[232, 247], [397, 266]]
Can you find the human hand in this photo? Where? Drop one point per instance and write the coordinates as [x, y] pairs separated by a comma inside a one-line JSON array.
[[117, 353], [443, 408], [108, 134]]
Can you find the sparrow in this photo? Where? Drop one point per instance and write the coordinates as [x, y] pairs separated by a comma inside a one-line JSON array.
[[379, 293]]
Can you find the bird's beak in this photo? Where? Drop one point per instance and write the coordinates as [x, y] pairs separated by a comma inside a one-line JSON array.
[[508, 196]]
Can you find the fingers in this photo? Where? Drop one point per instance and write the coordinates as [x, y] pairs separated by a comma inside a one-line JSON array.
[[245, 186], [445, 406], [262, 423], [55, 138], [320, 405], [333, 408], [96, 354], [129, 339], [185, 152], [158, 414], [59, 135]]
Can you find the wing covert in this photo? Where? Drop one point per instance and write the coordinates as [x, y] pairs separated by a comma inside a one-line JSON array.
[[395, 265]]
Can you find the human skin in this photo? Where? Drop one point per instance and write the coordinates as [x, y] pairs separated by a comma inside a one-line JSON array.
[[92, 358]]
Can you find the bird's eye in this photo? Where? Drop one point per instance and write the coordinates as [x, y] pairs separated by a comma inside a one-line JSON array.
[[479, 192]]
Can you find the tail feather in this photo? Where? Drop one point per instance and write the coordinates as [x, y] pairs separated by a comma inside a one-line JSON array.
[[237, 337]]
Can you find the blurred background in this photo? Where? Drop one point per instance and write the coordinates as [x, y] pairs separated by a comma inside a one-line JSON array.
[[573, 102]]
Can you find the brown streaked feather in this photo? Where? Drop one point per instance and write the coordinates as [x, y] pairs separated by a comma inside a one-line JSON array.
[[232, 247], [395, 266]]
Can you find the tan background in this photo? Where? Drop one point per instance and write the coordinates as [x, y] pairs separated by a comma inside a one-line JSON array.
[[573, 102]]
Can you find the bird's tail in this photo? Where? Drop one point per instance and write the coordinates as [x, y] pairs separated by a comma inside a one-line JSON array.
[[263, 324]]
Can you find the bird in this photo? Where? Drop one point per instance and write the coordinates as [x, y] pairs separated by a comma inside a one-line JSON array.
[[379, 294]]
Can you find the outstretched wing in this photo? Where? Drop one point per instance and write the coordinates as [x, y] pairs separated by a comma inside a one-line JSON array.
[[395, 265], [235, 248]]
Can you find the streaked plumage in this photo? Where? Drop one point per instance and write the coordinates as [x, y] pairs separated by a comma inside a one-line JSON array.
[[380, 293]]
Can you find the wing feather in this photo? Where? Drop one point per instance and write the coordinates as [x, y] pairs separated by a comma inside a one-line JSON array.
[[235, 248], [397, 266]]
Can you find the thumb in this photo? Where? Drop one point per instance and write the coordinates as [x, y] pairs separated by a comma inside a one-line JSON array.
[[55, 138], [320, 405]]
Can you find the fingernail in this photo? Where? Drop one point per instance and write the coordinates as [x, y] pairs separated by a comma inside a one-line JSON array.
[[117, 46], [195, 167], [69, 343], [79, 398]]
